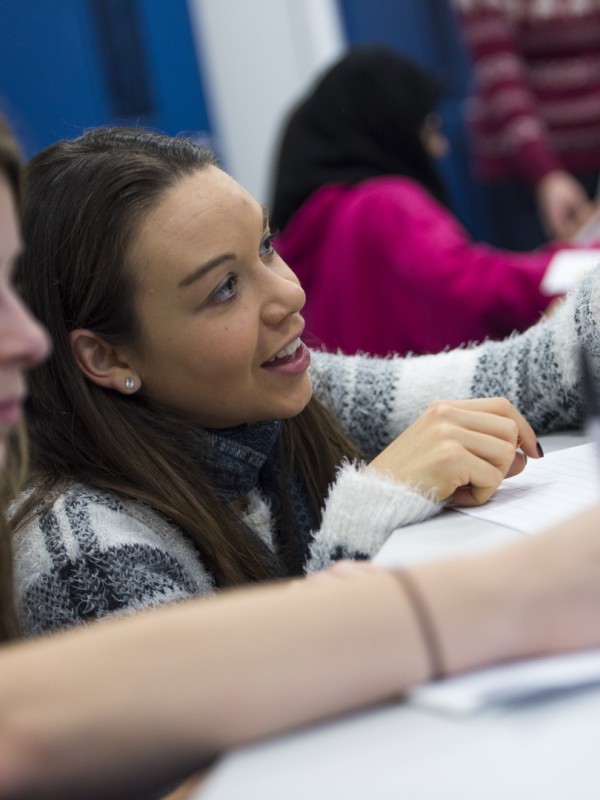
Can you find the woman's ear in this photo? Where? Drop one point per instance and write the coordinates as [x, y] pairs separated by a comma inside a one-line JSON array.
[[102, 362]]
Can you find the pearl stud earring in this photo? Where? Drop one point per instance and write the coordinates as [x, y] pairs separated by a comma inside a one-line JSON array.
[[129, 383]]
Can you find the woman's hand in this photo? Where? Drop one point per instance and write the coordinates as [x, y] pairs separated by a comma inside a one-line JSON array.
[[563, 204], [460, 450]]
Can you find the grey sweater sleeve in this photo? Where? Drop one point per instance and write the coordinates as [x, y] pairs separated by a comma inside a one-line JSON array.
[[361, 511], [538, 370]]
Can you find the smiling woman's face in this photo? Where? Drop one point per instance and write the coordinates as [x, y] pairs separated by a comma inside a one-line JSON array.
[[215, 305]]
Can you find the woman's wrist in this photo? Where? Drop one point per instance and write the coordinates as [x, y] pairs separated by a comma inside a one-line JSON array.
[[471, 616], [425, 622]]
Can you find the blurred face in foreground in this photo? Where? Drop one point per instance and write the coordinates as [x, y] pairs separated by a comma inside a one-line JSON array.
[[23, 341]]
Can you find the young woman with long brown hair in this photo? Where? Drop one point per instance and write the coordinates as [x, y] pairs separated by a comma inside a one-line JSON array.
[[181, 438], [131, 705]]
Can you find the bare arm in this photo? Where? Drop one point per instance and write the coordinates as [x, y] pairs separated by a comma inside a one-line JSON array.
[[159, 694], [150, 698]]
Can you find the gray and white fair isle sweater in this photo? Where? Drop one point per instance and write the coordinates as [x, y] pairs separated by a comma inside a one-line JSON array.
[[94, 554]]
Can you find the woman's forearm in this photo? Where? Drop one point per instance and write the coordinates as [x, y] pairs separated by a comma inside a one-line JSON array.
[[159, 694]]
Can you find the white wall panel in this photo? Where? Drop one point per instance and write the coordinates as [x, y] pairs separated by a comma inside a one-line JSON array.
[[256, 58]]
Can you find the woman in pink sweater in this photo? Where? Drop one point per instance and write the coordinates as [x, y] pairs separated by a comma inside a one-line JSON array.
[[365, 226]]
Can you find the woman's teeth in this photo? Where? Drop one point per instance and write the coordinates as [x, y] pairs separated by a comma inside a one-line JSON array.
[[287, 351]]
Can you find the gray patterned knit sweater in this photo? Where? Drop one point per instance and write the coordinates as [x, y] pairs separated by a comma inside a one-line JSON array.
[[116, 556]]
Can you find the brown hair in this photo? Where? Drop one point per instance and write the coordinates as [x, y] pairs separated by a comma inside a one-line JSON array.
[[86, 199], [13, 473]]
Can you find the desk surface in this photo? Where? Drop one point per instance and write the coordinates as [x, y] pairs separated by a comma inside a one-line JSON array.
[[538, 750]]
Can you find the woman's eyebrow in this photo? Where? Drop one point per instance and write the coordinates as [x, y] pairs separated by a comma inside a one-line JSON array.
[[202, 270]]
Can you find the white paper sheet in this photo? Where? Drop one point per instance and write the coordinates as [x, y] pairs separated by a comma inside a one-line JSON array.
[[548, 491], [567, 268], [511, 683]]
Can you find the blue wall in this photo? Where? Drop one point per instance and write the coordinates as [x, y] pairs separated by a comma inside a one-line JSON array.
[[66, 65]]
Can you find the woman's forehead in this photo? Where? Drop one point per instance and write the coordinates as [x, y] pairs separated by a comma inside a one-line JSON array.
[[198, 218], [200, 196]]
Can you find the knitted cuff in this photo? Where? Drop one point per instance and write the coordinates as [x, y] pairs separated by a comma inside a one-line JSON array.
[[361, 511]]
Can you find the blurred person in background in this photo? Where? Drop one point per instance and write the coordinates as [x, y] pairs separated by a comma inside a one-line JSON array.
[[364, 222], [535, 113]]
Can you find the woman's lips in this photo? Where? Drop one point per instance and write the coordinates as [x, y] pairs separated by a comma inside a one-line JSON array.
[[293, 364]]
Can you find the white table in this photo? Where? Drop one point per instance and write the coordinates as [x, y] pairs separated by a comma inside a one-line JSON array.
[[539, 751]]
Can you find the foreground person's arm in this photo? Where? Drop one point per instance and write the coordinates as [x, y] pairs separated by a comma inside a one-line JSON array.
[[140, 701]]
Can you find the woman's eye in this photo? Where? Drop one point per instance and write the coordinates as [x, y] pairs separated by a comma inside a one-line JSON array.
[[266, 246], [226, 291]]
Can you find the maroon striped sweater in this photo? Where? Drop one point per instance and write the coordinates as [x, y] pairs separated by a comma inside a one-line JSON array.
[[536, 104]]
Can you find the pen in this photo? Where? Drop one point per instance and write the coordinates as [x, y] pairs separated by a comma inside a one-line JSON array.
[[592, 402]]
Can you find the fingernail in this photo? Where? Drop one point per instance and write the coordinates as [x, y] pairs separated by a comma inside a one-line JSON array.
[[539, 449]]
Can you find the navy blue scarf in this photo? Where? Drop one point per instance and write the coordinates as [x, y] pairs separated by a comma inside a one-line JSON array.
[[245, 457], [234, 457]]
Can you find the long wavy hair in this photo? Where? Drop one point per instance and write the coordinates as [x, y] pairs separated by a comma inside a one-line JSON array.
[[12, 476], [85, 202]]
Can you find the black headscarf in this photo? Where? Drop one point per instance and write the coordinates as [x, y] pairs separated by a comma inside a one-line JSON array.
[[361, 119]]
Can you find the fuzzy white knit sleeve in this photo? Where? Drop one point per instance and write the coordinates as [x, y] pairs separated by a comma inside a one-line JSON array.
[[538, 370], [361, 511]]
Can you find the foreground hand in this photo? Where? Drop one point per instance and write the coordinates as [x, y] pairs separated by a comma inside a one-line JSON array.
[[460, 449]]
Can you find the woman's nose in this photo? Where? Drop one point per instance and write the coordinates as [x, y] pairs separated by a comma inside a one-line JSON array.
[[285, 297], [24, 342]]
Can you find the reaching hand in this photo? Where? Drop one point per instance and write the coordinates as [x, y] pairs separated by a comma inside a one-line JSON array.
[[562, 202], [461, 449]]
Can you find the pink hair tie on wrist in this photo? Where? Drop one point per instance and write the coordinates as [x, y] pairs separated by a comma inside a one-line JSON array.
[[424, 623]]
